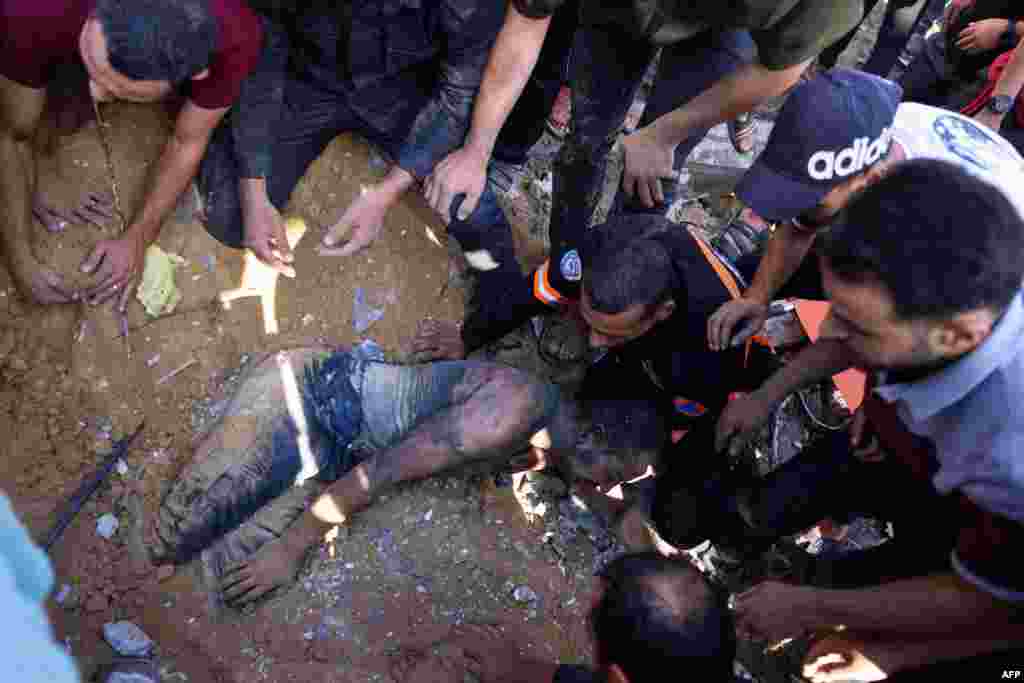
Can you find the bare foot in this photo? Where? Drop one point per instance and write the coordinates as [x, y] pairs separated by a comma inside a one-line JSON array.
[[276, 564], [439, 340]]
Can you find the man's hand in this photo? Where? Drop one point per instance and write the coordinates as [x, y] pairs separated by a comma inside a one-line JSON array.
[[116, 265], [464, 171], [265, 236], [981, 36], [40, 284], [364, 219], [723, 321], [835, 659], [773, 611], [990, 119], [953, 10], [863, 438], [647, 162], [738, 422]]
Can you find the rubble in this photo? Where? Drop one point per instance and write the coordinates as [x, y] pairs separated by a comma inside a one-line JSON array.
[[127, 638]]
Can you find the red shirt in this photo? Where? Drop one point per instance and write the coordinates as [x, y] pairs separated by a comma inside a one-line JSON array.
[[36, 36]]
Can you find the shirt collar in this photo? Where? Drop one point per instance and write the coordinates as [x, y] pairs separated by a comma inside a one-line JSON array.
[[926, 397]]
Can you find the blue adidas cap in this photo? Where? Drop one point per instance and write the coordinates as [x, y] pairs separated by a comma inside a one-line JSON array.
[[830, 128]]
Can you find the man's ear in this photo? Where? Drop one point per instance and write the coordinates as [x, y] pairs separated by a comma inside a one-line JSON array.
[[665, 310], [961, 334], [201, 75], [616, 674]]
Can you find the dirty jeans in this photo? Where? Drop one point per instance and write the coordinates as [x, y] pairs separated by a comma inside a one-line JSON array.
[[246, 490], [606, 68]]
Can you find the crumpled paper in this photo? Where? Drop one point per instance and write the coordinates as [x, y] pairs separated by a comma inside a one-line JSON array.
[[158, 293]]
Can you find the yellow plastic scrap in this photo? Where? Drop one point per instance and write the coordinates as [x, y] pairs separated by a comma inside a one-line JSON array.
[[158, 294]]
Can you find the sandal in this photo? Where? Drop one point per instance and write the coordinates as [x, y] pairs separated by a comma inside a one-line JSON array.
[[741, 133]]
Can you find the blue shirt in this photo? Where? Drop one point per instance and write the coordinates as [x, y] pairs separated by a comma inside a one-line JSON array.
[[972, 411], [29, 653]]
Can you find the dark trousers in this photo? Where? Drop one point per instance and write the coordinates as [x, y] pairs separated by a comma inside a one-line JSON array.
[[606, 68]]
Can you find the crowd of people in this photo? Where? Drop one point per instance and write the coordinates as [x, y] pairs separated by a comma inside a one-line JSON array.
[[899, 201]]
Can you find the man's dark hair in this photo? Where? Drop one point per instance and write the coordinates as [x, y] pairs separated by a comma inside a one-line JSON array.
[[659, 615], [158, 40], [940, 240], [537, 9], [627, 262]]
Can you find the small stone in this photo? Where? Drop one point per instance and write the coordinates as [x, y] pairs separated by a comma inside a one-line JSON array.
[[127, 638], [131, 677], [18, 364], [96, 603], [524, 594], [107, 525], [63, 594]]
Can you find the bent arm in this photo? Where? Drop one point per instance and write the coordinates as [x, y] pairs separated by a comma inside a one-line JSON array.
[[509, 67], [820, 360], [21, 110], [784, 253], [736, 94], [927, 607], [176, 168], [1012, 78], [442, 123]]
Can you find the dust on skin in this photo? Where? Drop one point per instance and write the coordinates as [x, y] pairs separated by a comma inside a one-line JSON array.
[[59, 397]]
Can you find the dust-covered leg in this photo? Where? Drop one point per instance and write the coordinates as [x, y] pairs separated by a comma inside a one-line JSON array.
[[489, 412]]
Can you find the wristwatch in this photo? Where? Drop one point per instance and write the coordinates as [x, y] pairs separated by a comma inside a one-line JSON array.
[[999, 104]]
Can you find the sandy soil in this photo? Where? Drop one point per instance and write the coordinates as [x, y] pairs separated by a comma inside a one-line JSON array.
[[424, 558]]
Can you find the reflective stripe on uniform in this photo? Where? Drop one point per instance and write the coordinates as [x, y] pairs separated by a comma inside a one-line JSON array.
[[542, 288]]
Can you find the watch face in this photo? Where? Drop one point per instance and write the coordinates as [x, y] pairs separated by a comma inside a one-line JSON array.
[[1000, 104]]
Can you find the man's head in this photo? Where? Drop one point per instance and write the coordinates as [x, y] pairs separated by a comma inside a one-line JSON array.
[[630, 283], [140, 50], [831, 139], [653, 615], [921, 266], [537, 9]]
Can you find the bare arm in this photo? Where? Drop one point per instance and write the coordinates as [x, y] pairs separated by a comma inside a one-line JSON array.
[[176, 167], [957, 619], [735, 94], [509, 66], [744, 416], [21, 110], [783, 254], [1009, 84], [650, 152], [116, 263]]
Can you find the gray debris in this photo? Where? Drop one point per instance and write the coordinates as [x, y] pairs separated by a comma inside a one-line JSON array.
[[107, 525], [62, 594], [524, 594], [127, 638], [130, 677]]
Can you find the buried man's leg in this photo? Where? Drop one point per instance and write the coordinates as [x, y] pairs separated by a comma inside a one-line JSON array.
[[425, 419]]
